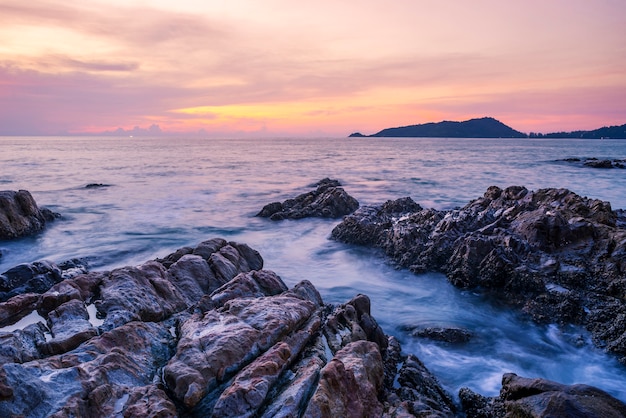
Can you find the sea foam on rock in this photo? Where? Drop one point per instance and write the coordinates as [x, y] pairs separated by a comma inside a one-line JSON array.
[[555, 255], [205, 331], [20, 215]]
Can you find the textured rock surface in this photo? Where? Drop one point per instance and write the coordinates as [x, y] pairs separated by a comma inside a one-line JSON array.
[[328, 200], [596, 163], [541, 398], [204, 332], [37, 277], [552, 253], [20, 215]]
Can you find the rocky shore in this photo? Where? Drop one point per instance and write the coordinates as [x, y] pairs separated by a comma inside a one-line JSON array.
[[204, 331], [551, 253]]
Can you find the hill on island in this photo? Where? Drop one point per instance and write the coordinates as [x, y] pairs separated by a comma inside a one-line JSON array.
[[488, 128], [615, 132], [473, 128]]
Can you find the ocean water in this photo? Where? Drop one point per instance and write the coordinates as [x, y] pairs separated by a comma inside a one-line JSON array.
[[161, 194]]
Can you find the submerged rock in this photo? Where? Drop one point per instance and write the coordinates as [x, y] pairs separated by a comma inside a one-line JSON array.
[[20, 215], [328, 200], [205, 332], [555, 255]]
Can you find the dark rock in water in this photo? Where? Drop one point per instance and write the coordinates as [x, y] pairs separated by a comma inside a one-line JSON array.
[[524, 397], [555, 255], [20, 215], [599, 163], [328, 200], [96, 185], [450, 335], [596, 163], [181, 337]]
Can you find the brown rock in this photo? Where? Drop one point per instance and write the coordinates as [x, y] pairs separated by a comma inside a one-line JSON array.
[[20, 215], [349, 384]]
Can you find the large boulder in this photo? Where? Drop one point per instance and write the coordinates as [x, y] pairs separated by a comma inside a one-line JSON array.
[[328, 200], [555, 255], [20, 215]]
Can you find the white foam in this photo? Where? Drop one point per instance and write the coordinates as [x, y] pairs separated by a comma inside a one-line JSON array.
[[93, 319]]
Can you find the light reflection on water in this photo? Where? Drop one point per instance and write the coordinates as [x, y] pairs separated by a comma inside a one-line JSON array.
[[164, 194]]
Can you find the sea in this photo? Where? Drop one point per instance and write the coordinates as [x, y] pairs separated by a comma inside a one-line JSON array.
[[159, 194]]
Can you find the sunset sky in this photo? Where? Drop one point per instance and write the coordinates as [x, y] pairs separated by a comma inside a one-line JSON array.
[[241, 68]]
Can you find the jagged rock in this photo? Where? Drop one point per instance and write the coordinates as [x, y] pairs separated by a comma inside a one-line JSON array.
[[349, 384], [555, 255], [20, 215], [178, 341], [328, 200], [37, 277], [541, 398], [69, 325]]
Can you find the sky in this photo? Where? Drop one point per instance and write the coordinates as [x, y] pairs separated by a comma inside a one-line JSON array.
[[243, 68]]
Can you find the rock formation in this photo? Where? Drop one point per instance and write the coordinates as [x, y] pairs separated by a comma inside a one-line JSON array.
[[20, 215], [537, 398], [328, 200], [555, 255], [204, 331], [596, 163]]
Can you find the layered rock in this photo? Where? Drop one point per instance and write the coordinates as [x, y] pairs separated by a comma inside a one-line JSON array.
[[552, 253], [20, 215], [205, 332], [538, 398], [328, 200]]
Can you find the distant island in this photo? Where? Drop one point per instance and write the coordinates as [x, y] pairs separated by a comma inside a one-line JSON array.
[[486, 127]]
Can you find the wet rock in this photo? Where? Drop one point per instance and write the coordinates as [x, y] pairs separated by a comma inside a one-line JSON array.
[[35, 277], [551, 253], [420, 391], [69, 325], [539, 398], [328, 200], [21, 346], [349, 384], [450, 335], [89, 380], [17, 307], [20, 215]]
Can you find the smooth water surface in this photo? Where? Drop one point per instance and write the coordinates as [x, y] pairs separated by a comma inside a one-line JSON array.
[[162, 194]]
